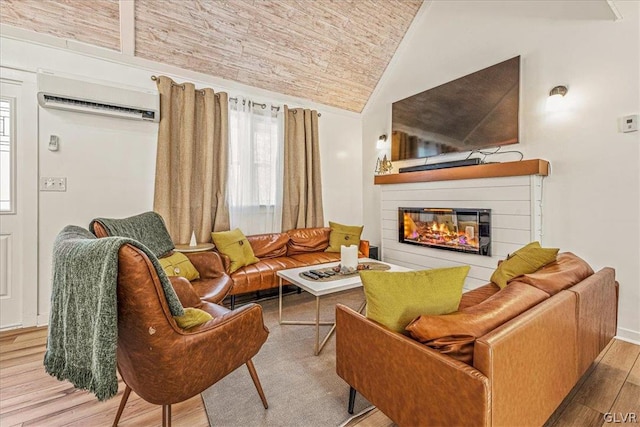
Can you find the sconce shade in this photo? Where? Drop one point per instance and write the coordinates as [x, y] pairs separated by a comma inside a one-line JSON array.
[[381, 144], [559, 90], [556, 99]]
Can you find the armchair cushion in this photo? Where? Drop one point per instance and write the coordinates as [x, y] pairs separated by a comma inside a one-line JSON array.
[[235, 245], [340, 235], [523, 261], [177, 264], [192, 317], [396, 298]]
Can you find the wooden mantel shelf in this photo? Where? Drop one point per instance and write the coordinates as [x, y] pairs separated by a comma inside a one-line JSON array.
[[490, 170]]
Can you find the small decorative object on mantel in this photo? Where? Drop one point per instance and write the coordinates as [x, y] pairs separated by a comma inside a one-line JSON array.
[[193, 241], [383, 166], [348, 258]]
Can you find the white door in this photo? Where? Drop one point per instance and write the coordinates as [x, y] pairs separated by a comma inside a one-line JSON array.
[[18, 199]]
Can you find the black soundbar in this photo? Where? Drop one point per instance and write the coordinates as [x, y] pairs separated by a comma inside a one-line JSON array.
[[442, 165]]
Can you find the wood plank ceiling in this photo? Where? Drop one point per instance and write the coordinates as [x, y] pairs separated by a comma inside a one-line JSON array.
[[329, 51]]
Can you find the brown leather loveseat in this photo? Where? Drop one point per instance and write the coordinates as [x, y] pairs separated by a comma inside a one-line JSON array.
[[280, 251], [557, 321]]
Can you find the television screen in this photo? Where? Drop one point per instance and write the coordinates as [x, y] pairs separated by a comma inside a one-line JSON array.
[[476, 111]]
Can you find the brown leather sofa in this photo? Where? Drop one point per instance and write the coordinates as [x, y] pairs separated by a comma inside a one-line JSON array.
[[280, 251], [519, 373]]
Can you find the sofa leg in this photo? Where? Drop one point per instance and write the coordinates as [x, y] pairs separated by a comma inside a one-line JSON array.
[[352, 399], [233, 302]]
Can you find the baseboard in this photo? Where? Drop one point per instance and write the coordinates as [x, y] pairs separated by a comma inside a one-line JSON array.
[[628, 335]]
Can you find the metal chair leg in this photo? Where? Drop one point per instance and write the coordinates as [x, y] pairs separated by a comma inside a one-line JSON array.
[[166, 415], [256, 382], [123, 402], [233, 302], [352, 399]]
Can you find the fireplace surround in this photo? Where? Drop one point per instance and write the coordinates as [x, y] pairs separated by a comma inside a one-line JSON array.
[[463, 230]]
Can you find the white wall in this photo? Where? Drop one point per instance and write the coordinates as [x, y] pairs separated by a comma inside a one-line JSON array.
[[592, 198], [110, 163]]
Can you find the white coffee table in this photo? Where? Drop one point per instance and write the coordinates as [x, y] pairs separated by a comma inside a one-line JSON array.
[[319, 288]]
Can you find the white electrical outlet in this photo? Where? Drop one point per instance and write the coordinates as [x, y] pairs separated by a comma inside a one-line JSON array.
[[48, 183], [630, 123]]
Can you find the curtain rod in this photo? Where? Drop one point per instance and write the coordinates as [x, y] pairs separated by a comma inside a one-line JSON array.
[[277, 107]]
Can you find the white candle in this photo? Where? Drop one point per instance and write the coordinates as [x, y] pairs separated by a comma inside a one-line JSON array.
[[349, 257]]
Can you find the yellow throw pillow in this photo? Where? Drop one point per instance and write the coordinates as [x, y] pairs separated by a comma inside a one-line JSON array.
[[396, 298], [192, 317], [177, 264], [525, 260], [340, 235], [236, 246]]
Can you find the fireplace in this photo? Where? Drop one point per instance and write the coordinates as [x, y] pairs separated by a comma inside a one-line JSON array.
[[462, 230]]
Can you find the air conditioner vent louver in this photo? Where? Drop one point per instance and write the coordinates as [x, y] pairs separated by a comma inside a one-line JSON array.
[[134, 112], [93, 98]]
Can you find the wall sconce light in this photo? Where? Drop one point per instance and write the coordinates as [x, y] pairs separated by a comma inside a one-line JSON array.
[[556, 98], [382, 140], [383, 166]]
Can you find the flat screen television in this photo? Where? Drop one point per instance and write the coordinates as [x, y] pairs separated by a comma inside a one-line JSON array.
[[476, 111]]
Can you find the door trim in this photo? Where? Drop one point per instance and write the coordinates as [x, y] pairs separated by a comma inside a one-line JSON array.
[[26, 161]]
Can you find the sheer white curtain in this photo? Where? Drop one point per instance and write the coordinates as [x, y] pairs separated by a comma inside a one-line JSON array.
[[256, 146]]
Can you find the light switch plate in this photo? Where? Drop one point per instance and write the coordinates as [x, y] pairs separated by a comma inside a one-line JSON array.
[[630, 123], [48, 183]]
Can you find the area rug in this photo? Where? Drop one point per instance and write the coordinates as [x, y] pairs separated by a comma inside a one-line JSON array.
[[302, 389]]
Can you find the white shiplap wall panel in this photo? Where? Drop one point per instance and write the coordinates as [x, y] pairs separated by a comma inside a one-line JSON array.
[[515, 204]]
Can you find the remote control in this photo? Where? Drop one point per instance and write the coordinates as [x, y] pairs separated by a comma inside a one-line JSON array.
[[310, 275], [318, 273], [330, 273]]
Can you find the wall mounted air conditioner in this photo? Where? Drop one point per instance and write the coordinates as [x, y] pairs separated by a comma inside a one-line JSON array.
[[83, 96]]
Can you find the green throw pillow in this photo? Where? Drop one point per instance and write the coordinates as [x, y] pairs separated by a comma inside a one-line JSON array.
[[178, 264], [343, 235], [525, 260], [236, 246], [192, 317], [396, 298]]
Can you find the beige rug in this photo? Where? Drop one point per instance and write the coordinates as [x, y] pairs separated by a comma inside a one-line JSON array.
[[302, 389]]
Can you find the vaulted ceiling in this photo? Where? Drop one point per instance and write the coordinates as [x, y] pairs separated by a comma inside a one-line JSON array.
[[329, 51]]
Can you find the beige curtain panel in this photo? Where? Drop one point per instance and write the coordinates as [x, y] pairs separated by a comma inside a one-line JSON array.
[[191, 163], [302, 192]]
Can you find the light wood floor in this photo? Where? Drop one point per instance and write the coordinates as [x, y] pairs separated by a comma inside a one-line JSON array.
[[30, 397]]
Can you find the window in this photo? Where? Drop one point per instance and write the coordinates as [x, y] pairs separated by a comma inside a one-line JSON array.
[[7, 149], [255, 167]]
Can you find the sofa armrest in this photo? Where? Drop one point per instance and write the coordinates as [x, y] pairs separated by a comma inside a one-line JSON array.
[[597, 314], [364, 248], [209, 264], [184, 290], [531, 361], [409, 382]]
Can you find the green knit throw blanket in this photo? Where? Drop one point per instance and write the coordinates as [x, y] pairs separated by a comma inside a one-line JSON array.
[[147, 228], [83, 322]]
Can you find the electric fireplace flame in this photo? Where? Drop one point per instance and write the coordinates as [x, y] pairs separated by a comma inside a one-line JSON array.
[[463, 230]]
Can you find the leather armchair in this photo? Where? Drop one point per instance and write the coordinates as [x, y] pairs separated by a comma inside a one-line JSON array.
[[156, 357], [214, 284]]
